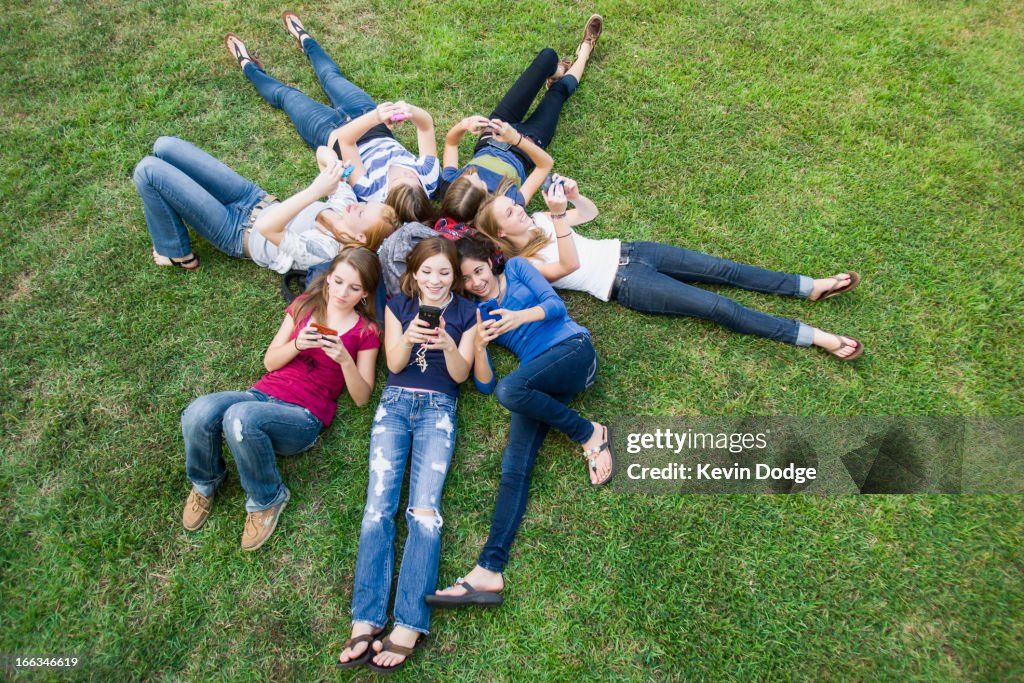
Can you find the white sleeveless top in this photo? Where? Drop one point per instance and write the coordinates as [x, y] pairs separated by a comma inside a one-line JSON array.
[[599, 261]]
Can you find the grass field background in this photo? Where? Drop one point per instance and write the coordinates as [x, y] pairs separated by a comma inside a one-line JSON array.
[[811, 137]]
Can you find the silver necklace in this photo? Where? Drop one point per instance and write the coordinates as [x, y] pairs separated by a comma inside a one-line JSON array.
[[421, 352]]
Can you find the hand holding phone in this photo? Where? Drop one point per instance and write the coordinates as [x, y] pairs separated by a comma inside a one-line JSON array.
[[431, 315]]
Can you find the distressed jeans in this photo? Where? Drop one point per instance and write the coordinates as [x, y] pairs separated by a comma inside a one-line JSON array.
[[422, 422], [256, 427]]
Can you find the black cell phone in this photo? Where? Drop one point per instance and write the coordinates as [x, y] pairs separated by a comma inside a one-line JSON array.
[[547, 183], [487, 310], [431, 315], [498, 144]]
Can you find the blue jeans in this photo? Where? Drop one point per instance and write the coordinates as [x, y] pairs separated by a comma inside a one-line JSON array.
[[537, 394], [256, 426], [423, 421], [181, 182], [314, 121], [653, 278]]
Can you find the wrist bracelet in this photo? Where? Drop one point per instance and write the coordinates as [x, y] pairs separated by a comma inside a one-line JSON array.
[[556, 216], [520, 139], [296, 340], [568, 234]]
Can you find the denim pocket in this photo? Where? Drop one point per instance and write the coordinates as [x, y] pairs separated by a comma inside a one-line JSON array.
[[390, 396]]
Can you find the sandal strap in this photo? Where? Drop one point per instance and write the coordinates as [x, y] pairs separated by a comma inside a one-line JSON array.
[[388, 646], [365, 638], [183, 262]]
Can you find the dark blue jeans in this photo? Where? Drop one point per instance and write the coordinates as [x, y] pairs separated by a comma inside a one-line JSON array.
[[516, 102], [537, 394], [312, 120], [654, 278]]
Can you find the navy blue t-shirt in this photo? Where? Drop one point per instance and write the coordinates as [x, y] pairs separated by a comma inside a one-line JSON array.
[[459, 316]]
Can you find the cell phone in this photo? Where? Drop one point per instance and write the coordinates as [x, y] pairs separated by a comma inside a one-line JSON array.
[[399, 117], [324, 330], [431, 315], [548, 181], [498, 144], [487, 309]]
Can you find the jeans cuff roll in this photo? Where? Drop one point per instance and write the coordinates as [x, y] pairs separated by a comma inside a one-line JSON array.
[[804, 335]]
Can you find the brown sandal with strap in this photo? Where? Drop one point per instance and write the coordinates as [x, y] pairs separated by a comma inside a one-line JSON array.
[[841, 289], [239, 51], [361, 658], [388, 646]]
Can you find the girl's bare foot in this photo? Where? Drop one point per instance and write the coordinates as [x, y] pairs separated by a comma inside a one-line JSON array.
[[839, 283], [483, 580], [189, 262], [843, 348], [238, 50], [403, 637], [599, 460], [294, 26], [356, 647]]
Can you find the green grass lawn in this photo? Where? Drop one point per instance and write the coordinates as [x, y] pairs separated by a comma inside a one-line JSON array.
[[886, 137]]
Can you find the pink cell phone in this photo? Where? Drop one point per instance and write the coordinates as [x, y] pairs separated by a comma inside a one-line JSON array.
[[399, 117]]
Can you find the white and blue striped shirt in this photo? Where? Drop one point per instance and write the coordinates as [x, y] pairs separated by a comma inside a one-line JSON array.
[[378, 155]]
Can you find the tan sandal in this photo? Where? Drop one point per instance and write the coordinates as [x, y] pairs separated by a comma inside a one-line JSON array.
[[238, 50], [840, 289], [857, 346], [590, 455], [294, 26]]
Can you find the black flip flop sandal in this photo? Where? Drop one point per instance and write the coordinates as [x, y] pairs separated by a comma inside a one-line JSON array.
[[240, 53], [472, 597], [294, 28]]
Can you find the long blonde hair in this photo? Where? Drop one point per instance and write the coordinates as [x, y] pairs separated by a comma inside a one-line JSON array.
[[375, 234], [487, 223], [313, 301]]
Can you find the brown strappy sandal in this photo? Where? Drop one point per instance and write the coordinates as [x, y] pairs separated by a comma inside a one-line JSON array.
[[367, 638], [388, 646]]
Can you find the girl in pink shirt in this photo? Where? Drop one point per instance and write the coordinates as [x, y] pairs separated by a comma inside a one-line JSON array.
[[327, 343]]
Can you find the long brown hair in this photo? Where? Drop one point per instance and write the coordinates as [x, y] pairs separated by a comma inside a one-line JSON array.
[[432, 246], [487, 223], [411, 203], [463, 198], [375, 234], [313, 301]]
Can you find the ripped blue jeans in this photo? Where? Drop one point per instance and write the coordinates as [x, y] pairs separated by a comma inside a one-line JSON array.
[[422, 422]]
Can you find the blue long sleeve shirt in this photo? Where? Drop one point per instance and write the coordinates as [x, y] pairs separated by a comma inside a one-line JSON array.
[[525, 288]]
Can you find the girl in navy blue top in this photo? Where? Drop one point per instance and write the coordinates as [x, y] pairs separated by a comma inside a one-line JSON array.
[[557, 362], [417, 414], [511, 156]]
